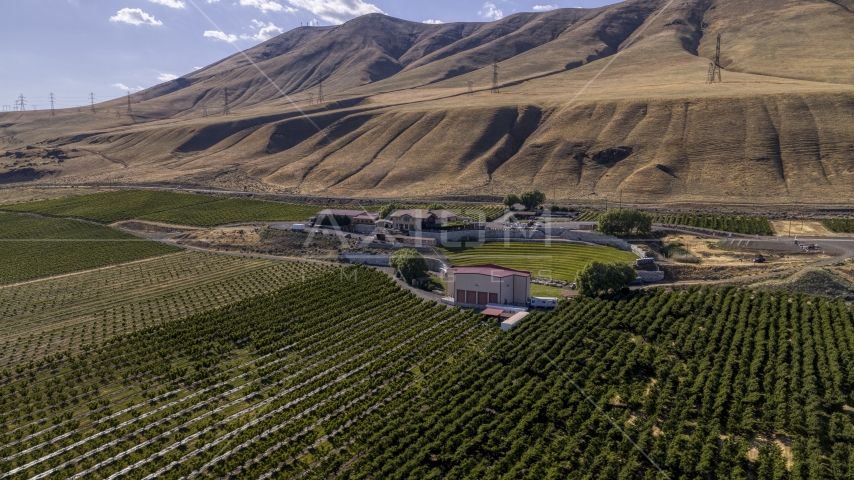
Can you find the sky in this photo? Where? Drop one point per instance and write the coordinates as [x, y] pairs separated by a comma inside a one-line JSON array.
[[72, 48]]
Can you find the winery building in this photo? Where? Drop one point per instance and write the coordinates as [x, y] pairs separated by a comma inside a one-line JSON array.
[[478, 285]]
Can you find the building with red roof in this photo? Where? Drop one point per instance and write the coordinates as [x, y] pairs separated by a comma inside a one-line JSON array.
[[479, 285]]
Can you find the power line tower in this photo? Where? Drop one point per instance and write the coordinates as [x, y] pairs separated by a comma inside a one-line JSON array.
[[471, 88], [79, 110], [92, 101], [204, 111], [22, 102], [715, 67], [52, 109], [310, 99], [130, 110], [118, 113], [320, 94], [226, 110], [495, 76]]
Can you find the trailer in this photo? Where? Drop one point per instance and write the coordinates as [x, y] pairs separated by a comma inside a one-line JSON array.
[[544, 302], [298, 227], [513, 321]]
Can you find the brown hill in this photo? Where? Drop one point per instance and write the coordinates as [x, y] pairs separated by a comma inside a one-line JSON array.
[[592, 102]]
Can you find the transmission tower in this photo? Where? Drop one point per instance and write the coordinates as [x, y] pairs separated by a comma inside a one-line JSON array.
[[495, 76], [118, 113], [311, 99], [79, 110], [205, 111], [22, 103], [226, 110], [471, 88], [52, 110], [92, 101], [715, 67], [130, 110], [320, 94]]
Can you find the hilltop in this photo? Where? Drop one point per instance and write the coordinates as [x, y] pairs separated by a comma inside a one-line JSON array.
[[398, 119]]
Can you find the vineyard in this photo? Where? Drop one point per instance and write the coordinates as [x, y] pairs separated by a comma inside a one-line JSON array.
[[728, 223], [63, 314], [254, 389], [711, 383], [179, 208], [35, 247], [839, 225], [557, 261]]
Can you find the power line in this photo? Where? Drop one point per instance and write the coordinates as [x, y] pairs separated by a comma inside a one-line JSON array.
[[52, 108], [226, 110], [495, 76], [715, 67]]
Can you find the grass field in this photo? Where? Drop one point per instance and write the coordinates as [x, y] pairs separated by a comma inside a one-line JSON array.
[[179, 208], [60, 314], [557, 261], [34, 247]]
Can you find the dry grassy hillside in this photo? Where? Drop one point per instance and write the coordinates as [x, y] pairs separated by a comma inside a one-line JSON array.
[[592, 103]]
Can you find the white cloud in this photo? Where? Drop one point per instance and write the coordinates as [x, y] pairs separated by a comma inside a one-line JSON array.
[[545, 8], [170, 3], [126, 88], [267, 6], [433, 22], [266, 31], [134, 16], [165, 77], [220, 36], [491, 12], [336, 11]]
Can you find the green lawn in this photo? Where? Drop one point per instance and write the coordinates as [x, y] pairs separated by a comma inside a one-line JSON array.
[[172, 207], [34, 247], [557, 261]]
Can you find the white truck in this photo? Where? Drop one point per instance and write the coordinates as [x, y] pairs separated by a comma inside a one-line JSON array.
[[298, 227], [544, 302]]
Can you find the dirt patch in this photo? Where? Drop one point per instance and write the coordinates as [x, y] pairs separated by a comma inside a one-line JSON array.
[[267, 241], [813, 281], [785, 228], [682, 273]]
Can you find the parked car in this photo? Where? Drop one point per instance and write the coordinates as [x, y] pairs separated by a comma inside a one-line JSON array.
[[347, 235], [318, 232], [759, 259]]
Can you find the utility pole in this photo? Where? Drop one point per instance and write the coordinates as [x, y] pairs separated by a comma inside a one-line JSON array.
[[495, 76], [715, 67], [52, 110], [471, 88], [320, 94], [92, 101], [130, 110], [226, 110]]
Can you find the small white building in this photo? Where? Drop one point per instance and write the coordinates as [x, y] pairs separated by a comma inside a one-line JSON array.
[[513, 321], [477, 286]]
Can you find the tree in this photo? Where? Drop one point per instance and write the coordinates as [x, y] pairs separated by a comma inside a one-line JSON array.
[[533, 199], [625, 222], [409, 263], [387, 210], [435, 206], [599, 278], [511, 199]]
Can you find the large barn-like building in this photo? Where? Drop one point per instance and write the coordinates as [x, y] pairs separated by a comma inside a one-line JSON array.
[[478, 285]]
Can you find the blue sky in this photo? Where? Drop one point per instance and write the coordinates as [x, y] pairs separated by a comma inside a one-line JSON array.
[[74, 47]]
